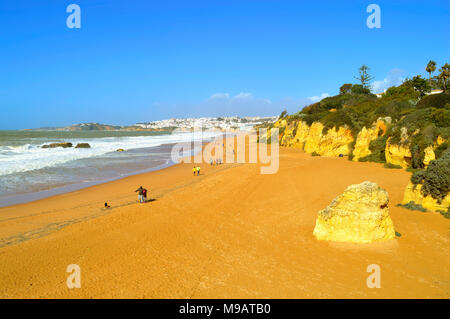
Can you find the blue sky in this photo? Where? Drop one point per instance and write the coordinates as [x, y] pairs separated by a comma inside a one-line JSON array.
[[134, 61]]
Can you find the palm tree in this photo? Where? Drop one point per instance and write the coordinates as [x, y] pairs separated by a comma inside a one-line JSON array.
[[431, 67], [444, 75]]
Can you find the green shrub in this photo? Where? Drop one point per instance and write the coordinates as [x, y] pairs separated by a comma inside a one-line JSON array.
[[413, 206], [294, 118], [283, 115], [315, 154], [441, 117], [398, 90], [440, 150], [445, 214], [390, 165], [435, 179], [359, 89], [423, 127], [434, 100], [377, 148], [342, 117], [345, 88], [417, 177]]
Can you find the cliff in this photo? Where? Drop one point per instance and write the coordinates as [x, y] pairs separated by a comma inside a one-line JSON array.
[[413, 193], [338, 141], [400, 154], [366, 136], [311, 139], [400, 129]]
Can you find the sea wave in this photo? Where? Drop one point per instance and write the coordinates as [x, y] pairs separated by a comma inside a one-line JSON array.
[[28, 157]]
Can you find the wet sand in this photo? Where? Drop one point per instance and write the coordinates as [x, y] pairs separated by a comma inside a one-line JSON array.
[[228, 233]]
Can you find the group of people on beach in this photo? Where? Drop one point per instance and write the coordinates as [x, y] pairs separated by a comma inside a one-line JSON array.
[[196, 169], [142, 194], [215, 162]]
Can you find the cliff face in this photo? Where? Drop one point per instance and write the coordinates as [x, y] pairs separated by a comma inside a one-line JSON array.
[[312, 139], [401, 154], [297, 136], [414, 194], [287, 138], [398, 155], [333, 143], [365, 136], [337, 141], [359, 215]]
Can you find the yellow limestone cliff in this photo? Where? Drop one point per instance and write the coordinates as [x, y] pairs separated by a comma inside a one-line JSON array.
[[359, 215], [414, 194], [365, 136], [401, 154], [311, 138], [297, 136], [398, 154], [337, 141]]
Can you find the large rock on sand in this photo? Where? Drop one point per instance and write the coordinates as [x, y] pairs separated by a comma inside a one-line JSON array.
[[359, 215]]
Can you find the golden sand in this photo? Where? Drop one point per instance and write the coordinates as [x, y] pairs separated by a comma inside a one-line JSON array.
[[229, 233]]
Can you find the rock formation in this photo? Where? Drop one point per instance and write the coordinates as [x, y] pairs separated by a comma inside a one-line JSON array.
[[83, 145], [359, 215], [414, 194], [54, 145], [398, 154], [334, 142], [338, 141], [366, 136]]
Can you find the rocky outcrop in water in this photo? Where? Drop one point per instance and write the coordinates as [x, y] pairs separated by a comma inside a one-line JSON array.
[[83, 145], [359, 215], [54, 145]]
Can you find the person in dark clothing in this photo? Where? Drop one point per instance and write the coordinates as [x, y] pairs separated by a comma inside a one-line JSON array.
[[144, 195], [140, 194]]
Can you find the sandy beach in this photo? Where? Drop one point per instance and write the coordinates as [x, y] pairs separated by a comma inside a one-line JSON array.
[[228, 233]]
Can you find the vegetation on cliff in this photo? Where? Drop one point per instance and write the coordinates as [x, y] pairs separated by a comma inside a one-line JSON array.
[[435, 179], [407, 126], [417, 120]]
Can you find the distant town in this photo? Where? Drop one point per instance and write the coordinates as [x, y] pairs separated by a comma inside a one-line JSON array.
[[209, 122], [222, 123]]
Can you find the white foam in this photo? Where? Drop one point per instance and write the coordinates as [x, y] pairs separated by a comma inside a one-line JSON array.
[[28, 157]]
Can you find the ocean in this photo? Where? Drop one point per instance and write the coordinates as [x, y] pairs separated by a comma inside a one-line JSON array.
[[29, 172]]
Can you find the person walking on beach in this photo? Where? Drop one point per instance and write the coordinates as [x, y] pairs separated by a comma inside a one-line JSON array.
[[140, 194], [194, 170], [144, 195], [198, 170], [211, 161]]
